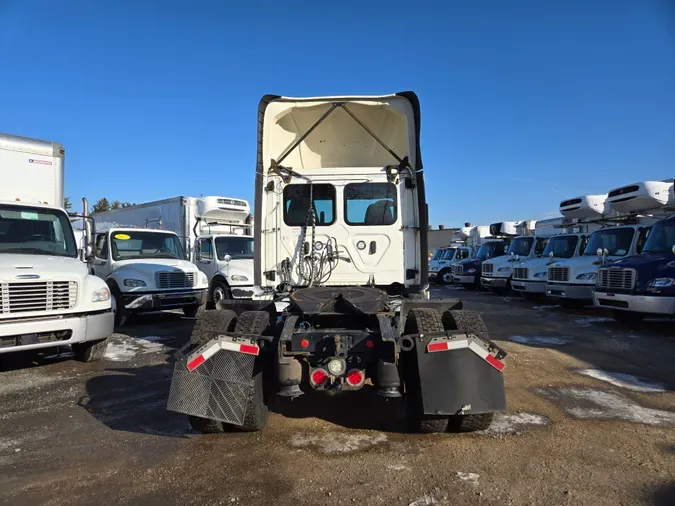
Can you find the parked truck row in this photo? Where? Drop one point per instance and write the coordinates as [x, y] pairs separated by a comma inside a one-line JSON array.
[[615, 251]]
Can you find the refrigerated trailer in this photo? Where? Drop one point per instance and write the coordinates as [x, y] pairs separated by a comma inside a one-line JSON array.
[[48, 297]]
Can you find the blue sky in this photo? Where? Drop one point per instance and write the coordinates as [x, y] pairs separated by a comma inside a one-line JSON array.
[[524, 103]]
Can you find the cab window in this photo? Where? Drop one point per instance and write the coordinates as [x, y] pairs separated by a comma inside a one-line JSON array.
[[540, 246], [299, 199], [462, 254], [102, 246], [370, 204], [204, 249], [643, 234]]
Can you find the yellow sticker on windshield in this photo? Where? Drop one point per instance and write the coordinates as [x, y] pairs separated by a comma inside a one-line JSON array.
[[122, 237]]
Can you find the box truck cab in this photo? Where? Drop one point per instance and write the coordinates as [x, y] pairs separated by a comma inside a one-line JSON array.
[[467, 272], [496, 273], [440, 269], [643, 285], [48, 297], [224, 247], [147, 270], [573, 281]]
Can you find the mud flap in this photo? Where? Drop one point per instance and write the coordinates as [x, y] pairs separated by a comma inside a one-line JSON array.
[[457, 381], [218, 389]]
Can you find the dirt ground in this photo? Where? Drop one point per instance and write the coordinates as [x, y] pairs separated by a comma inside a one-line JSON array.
[[590, 420]]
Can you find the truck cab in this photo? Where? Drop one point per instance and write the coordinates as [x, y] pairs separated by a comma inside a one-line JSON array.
[[496, 274], [48, 297], [440, 268], [529, 276], [467, 272], [147, 270], [227, 261]]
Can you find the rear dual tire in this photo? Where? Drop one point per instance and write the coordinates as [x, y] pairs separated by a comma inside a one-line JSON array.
[[425, 320]]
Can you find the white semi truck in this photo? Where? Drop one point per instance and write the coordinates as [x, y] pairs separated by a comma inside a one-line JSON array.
[[572, 281], [216, 231], [48, 297]]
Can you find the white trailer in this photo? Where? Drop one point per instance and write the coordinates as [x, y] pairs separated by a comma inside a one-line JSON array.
[[48, 297], [216, 232]]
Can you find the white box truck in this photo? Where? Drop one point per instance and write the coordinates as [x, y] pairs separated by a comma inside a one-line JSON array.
[[212, 232], [48, 297]]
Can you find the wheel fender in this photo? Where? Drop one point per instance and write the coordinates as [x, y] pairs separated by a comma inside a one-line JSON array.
[[456, 381]]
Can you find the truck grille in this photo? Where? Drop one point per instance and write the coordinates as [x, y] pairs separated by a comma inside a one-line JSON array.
[[558, 273], [458, 270], [175, 279], [488, 269], [42, 296], [520, 273], [622, 279]]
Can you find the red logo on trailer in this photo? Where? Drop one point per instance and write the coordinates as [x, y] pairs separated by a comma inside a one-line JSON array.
[[41, 162]]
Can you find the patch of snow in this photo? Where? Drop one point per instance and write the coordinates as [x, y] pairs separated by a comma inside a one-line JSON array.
[[470, 478], [542, 308], [587, 321], [510, 424], [126, 348], [623, 380], [541, 340], [428, 499], [510, 299], [337, 442], [587, 403]]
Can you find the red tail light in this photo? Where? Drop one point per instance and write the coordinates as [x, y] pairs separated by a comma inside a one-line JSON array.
[[318, 377], [355, 378]]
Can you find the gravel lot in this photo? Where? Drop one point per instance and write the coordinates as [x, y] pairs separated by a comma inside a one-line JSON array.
[[591, 417]]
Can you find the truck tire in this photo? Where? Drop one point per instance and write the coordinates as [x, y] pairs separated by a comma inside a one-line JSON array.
[[472, 323], [89, 351], [121, 313], [192, 311], [219, 291], [214, 320], [205, 426], [470, 423], [445, 277], [420, 321], [257, 412]]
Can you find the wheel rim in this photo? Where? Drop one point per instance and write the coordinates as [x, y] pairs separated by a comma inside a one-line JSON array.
[[447, 277], [218, 294]]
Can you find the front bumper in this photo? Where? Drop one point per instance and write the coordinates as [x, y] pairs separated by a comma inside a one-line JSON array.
[[520, 285], [494, 282], [164, 300], [45, 333], [567, 291], [648, 304], [241, 292], [464, 280]]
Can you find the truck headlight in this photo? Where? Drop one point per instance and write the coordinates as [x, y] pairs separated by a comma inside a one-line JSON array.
[[504, 269], [237, 277], [100, 295], [661, 283], [471, 271], [134, 283], [588, 276], [541, 275], [203, 279]]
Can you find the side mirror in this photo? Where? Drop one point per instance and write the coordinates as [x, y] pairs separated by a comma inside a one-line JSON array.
[[599, 252], [550, 255], [673, 249], [227, 258]]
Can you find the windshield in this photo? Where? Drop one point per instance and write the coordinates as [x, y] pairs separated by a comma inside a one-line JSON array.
[[490, 250], [661, 239], [449, 254], [130, 245], [437, 254], [616, 241], [562, 247], [236, 247], [36, 231], [521, 246]]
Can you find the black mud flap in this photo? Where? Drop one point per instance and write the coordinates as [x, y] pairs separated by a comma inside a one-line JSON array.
[[458, 382], [217, 389]]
